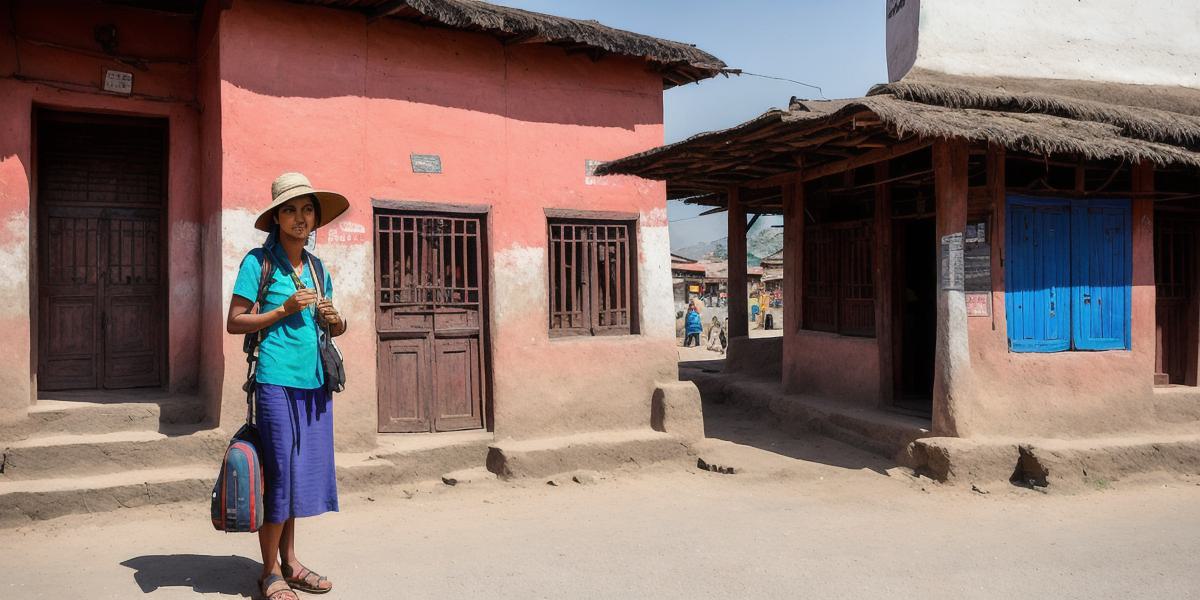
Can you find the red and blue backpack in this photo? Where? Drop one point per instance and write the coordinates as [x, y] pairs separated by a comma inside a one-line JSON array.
[[237, 497]]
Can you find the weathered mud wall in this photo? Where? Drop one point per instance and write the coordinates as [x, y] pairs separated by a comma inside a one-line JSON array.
[[36, 71], [346, 102]]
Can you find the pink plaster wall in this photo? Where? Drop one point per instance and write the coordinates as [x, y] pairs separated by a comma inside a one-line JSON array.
[[1064, 394], [69, 81], [322, 92], [827, 364], [212, 316]]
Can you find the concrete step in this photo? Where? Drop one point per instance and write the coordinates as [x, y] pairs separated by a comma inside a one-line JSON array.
[[53, 416], [399, 460], [39, 499], [599, 451], [1056, 463], [405, 458], [66, 455]]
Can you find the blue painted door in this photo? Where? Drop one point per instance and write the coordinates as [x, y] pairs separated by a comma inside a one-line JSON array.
[[1101, 274], [1038, 274]]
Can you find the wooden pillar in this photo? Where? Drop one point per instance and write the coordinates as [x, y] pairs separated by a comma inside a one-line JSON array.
[[884, 315], [793, 272], [952, 357], [738, 306], [1144, 291], [998, 194]]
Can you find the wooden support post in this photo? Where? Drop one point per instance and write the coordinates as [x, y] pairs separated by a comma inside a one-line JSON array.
[[1144, 290], [793, 272], [738, 305], [952, 356], [884, 315]]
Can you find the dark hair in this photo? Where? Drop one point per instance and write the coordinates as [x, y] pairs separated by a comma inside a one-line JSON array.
[[316, 204]]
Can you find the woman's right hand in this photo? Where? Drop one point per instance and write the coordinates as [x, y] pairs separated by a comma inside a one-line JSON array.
[[299, 301]]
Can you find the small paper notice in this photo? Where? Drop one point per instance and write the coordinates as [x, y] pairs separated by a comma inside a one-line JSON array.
[[952, 261], [118, 82]]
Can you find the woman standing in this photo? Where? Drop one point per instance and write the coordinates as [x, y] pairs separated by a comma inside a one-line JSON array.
[[692, 326], [294, 409]]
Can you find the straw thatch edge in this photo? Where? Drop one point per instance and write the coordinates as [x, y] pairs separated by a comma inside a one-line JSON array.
[[1035, 133], [684, 62], [1140, 122]]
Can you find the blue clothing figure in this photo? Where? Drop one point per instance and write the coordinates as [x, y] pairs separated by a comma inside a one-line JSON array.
[[692, 326], [294, 410], [754, 312]]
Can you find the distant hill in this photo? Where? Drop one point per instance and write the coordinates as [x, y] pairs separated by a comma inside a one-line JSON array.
[[762, 241], [703, 250]]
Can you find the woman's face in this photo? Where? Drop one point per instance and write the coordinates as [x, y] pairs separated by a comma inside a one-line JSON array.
[[297, 217]]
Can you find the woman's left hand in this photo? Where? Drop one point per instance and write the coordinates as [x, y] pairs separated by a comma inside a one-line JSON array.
[[327, 313]]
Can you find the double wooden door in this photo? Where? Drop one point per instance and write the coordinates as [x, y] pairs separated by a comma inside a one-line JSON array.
[[100, 282], [430, 293]]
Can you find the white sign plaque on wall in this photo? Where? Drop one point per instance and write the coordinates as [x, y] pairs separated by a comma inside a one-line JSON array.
[[952, 262], [118, 82]]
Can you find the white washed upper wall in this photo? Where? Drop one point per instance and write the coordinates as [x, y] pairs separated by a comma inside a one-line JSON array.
[[1126, 41]]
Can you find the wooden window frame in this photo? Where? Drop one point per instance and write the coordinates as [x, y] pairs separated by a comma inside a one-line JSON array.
[[841, 276], [573, 236]]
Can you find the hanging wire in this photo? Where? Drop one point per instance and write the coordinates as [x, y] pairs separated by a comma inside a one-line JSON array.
[[820, 92]]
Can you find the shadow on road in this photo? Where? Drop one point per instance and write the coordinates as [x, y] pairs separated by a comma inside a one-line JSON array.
[[227, 575], [749, 427]]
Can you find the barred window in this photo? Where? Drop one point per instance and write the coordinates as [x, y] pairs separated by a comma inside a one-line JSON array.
[[839, 291], [592, 279]]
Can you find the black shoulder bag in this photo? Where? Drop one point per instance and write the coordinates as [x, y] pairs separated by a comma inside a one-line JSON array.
[[331, 357]]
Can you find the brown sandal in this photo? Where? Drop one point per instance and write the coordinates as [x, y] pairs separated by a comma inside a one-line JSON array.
[[305, 580], [280, 593]]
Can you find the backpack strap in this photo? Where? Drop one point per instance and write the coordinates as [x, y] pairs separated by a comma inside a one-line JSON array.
[[317, 269], [252, 340]]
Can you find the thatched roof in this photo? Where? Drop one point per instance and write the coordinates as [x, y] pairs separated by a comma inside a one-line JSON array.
[[824, 134], [1156, 113], [679, 63]]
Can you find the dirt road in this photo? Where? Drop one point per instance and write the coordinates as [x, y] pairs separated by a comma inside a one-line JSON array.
[[805, 518]]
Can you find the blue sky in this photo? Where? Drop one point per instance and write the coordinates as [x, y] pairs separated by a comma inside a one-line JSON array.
[[835, 44]]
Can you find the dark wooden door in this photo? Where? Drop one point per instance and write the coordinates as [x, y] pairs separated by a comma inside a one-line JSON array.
[[1175, 302], [100, 283], [430, 297]]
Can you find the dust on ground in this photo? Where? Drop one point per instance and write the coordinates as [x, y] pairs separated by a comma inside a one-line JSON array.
[[804, 517]]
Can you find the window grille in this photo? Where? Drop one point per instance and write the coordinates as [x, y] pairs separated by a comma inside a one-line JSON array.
[[591, 278], [428, 261], [839, 288]]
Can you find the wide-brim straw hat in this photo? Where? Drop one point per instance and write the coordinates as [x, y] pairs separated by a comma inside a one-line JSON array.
[[292, 185]]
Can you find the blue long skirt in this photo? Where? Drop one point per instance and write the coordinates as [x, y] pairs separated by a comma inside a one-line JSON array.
[[296, 429]]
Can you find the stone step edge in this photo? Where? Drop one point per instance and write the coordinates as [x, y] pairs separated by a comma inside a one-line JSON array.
[[1062, 464], [600, 451], [25, 501]]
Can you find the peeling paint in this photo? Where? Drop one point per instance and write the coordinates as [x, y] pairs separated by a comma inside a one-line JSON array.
[[654, 276], [520, 284], [14, 263]]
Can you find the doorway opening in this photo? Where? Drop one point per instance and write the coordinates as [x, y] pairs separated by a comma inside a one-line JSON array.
[[915, 312], [101, 190], [1176, 299]]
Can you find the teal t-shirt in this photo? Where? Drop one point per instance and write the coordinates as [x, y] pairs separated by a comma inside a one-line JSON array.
[[288, 354]]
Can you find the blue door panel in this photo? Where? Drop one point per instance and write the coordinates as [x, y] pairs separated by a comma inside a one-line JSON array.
[[1102, 274], [1038, 270]]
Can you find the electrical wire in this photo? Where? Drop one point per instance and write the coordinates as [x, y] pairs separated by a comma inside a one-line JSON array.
[[820, 92]]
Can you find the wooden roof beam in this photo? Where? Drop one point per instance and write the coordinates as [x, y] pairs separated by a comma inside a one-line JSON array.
[[868, 158]]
